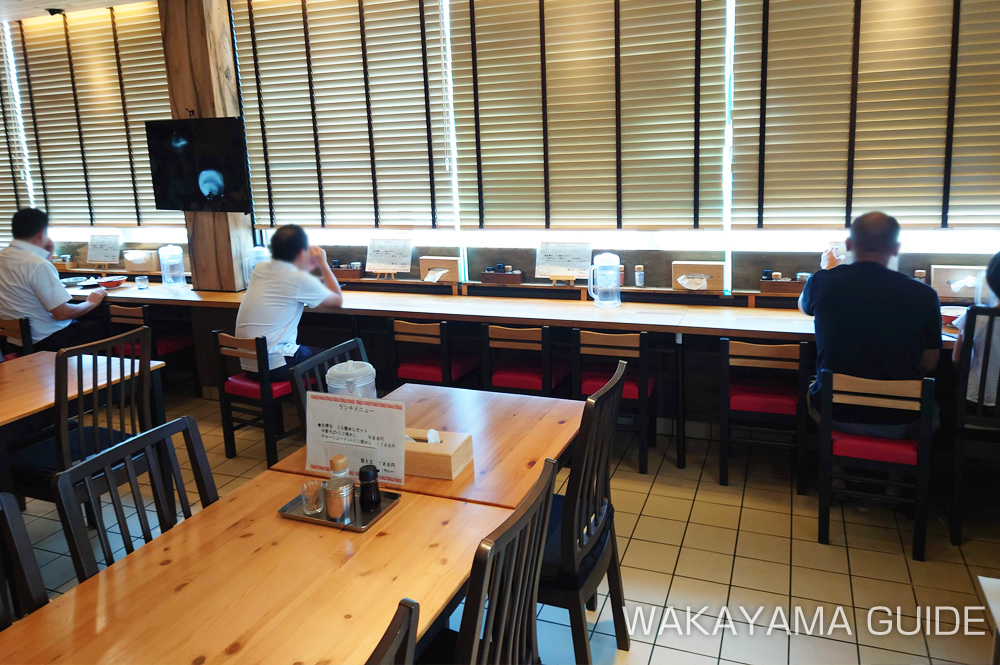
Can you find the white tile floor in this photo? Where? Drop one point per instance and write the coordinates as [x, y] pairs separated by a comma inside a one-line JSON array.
[[685, 541]]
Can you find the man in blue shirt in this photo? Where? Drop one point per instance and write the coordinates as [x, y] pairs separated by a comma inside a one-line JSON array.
[[873, 322]]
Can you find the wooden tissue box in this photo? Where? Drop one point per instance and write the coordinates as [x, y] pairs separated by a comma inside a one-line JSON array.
[[715, 270], [443, 460], [449, 263]]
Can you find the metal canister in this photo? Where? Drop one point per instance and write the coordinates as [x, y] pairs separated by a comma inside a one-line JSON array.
[[339, 493]]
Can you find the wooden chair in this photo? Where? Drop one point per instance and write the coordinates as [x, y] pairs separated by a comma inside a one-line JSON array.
[[903, 456], [247, 403], [639, 386], [310, 374], [977, 424], [152, 452], [400, 638], [580, 547], [767, 407], [438, 367], [507, 369], [163, 344], [21, 588], [16, 329], [88, 418], [499, 620]]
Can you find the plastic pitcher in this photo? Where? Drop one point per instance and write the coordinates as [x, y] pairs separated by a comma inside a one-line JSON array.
[[172, 266], [602, 282], [354, 378]]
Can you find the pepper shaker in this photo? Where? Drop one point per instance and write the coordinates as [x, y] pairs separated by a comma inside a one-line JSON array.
[[368, 492]]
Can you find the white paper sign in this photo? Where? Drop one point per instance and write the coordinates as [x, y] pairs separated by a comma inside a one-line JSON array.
[[104, 249], [388, 255], [364, 430], [563, 258]]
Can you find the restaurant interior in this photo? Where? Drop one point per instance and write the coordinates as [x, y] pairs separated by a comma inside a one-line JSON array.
[[680, 313]]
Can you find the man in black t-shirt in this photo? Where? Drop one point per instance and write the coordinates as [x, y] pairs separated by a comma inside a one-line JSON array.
[[873, 323]]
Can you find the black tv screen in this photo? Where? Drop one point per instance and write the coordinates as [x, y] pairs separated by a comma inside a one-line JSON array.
[[199, 164]]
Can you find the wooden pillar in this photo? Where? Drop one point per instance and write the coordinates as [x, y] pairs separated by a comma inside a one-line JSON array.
[[201, 73]]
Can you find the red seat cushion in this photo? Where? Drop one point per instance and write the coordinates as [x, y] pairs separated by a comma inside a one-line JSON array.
[[897, 451], [243, 386], [761, 399], [592, 380], [11, 356], [165, 344], [524, 376], [429, 369]]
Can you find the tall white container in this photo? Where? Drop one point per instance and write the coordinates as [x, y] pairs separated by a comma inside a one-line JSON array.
[[172, 266], [354, 378]]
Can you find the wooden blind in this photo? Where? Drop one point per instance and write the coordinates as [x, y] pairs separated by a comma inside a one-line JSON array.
[[13, 190], [147, 97], [580, 72], [902, 109], [808, 112], [657, 113], [60, 151], [975, 176], [713, 113]]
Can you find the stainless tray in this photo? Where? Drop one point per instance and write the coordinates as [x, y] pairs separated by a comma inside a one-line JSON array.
[[360, 521]]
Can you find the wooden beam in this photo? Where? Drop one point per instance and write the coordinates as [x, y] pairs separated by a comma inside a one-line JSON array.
[[201, 74]]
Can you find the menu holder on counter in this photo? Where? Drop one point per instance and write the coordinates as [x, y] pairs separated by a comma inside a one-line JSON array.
[[388, 256], [563, 258], [104, 249]]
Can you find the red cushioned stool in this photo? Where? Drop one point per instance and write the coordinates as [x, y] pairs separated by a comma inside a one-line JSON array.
[[423, 363], [762, 400], [519, 360], [248, 403], [638, 398], [893, 458], [163, 344]]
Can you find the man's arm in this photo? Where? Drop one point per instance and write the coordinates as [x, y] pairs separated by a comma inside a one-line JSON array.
[[336, 298], [71, 310]]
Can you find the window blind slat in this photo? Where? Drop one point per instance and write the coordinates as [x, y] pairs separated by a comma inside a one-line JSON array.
[[713, 113]]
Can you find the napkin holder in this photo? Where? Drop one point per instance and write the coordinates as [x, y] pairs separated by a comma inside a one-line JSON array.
[[443, 460]]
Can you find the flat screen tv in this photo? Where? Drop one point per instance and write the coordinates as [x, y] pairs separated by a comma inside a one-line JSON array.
[[199, 164]]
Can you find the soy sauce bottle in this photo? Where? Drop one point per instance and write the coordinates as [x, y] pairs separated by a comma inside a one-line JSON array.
[[368, 493]]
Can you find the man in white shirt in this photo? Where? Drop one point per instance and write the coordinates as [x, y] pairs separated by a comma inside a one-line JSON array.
[[279, 290], [30, 288]]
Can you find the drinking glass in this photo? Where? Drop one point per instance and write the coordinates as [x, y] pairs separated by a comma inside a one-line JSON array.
[[313, 501], [142, 281], [65, 258]]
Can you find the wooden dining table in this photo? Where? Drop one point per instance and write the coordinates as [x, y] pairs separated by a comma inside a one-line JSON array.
[[511, 436], [238, 583]]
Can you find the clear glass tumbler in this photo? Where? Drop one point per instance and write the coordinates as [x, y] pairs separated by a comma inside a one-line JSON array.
[[313, 500], [142, 282]]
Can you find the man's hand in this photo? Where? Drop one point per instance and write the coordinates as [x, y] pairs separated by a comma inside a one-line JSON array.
[[96, 296], [318, 255], [49, 247], [830, 259]]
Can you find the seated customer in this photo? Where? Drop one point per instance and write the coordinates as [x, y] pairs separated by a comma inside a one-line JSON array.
[[873, 323], [30, 287], [279, 290], [979, 344]]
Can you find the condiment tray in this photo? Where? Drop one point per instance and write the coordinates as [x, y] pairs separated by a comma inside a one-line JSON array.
[[360, 520]]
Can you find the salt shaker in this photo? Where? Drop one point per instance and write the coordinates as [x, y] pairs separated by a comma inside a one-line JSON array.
[[368, 493]]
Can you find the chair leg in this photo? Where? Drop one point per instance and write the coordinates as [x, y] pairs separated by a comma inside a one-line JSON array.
[[724, 454], [228, 433], [643, 426], [920, 510], [592, 603], [578, 626], [617, 599], [955, 519], [825, 490], [802, 462], [279, 419], [270, 435]]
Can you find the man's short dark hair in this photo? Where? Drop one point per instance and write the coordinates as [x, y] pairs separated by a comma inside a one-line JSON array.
[[288, 242], [875, 233], [993, 274], [28, 222]]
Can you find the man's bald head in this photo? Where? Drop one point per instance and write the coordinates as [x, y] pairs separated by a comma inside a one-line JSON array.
[[874, 235]]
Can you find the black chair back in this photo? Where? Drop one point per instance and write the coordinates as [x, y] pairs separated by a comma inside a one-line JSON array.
[[587, 511], [400, 638], [102, 416], [19, 328], [19, 572], [310, 374], [499, 620], [114, 468], [975, 413]]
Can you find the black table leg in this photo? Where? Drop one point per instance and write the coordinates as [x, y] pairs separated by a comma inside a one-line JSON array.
[[679, 416], [169, 518]]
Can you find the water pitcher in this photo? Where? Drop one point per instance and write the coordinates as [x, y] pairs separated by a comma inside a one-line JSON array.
[[602, 283]]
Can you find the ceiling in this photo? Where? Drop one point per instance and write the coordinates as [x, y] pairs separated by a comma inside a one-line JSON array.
[[12, 10]]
